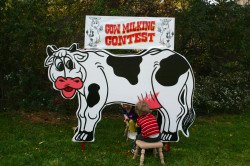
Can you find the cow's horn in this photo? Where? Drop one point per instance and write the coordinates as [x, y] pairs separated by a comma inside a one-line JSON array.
[[74, 47], [51, 49]]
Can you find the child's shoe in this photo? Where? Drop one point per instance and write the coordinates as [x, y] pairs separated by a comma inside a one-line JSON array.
[[133, 151]]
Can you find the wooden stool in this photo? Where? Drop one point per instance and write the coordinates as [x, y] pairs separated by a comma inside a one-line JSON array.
[[146, 145]]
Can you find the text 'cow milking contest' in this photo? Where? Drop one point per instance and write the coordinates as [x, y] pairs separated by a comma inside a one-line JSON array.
[[129, 33]]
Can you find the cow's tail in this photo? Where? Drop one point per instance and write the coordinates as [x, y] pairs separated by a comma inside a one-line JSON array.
[[189, 117]]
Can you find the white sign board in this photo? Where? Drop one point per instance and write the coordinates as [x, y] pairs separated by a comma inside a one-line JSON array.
[[111, 32]]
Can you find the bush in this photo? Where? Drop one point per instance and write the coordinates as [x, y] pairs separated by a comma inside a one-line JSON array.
[[227, 93], [212, 37]]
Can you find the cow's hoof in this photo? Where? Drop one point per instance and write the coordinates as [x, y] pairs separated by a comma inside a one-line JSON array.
[[84, 136], [169, 136]]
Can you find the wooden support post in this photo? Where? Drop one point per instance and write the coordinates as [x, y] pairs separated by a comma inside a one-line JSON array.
[[83, 147], [168, 147]]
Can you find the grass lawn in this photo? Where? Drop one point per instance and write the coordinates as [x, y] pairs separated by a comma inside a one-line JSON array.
[[45, 139]]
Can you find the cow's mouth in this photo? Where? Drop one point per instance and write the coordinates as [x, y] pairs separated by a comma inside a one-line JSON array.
[[68, 89], [68, 86], [68, 92]]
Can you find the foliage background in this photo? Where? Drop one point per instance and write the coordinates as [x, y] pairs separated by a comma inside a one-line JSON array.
[[214, 38]]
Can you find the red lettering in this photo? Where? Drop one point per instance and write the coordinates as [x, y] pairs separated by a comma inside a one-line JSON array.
[[148, 25], [112, 29], [125, 28], [122, 40], [151, 35], [108, 40], [138, 28], [132, 26], [117, 29], [107, 28], [114, 40], [144, 25], [130, 38], [152, 25], [137, 37], [144, 37]]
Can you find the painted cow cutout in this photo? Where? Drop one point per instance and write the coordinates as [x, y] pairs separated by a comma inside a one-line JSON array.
[[161, 77]]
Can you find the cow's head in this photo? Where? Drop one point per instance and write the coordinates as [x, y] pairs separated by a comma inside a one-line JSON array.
[[65, 71], [165, 23], [95, 22]]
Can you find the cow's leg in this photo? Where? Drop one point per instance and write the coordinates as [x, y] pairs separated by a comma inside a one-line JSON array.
[[187, 103], [90, 114], [180, 109], [86, 130], [173, 109], [171, 114], [172, 98], [88, 118], [87, 121], [164, 120], [170, 122], [82, 106]]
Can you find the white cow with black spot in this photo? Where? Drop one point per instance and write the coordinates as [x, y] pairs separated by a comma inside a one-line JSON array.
[[161, 77]]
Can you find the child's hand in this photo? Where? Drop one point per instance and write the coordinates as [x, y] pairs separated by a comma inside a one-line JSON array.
[[126, 119]]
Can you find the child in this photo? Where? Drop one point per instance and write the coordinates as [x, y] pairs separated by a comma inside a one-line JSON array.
[[129, 117], [146, 121]]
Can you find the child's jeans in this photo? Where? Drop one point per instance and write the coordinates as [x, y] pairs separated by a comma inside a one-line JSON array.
[[140, 137]]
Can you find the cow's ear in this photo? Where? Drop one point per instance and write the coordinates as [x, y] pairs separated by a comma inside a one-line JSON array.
[[74, 47], [81, 56], [48, 61], [51, 49]]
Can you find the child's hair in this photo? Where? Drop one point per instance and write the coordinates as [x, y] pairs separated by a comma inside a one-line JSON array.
[[126, 106], [142, 108]]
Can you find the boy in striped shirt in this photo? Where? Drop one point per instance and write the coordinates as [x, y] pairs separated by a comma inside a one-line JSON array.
[[147, 123]]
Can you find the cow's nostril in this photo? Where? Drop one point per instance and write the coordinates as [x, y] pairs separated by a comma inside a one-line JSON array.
[[61, 80], [76, 81]]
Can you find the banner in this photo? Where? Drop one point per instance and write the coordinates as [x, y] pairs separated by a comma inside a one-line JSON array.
[[111, 32]]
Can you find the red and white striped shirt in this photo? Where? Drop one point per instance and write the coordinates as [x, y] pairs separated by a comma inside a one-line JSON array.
[[148, 125]]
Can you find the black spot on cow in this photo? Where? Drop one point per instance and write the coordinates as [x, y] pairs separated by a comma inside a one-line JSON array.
[[171, 69], [127, 67], [93, 97]]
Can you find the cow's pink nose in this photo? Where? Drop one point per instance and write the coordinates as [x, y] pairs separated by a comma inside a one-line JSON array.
[[61, 79], [76, 80], [62, 83]]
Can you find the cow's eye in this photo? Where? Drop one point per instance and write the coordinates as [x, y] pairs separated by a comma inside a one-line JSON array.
[[69, 64], [59, 65]]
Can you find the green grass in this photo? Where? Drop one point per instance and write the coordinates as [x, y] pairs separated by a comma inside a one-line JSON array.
[[216, 140]]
